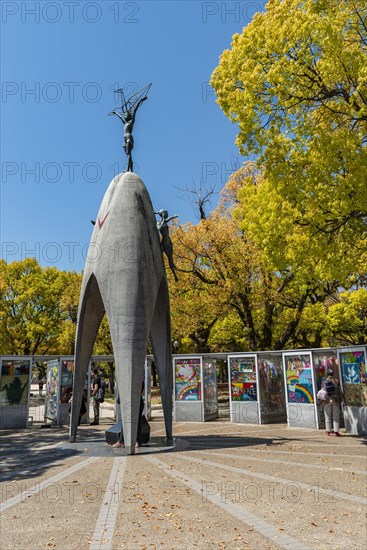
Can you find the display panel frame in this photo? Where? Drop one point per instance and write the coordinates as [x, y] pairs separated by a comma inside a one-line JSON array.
[[25, 391], [15, 415], [244, 376], [187, 389], [52, 395], [244, 406], [210, 388], [358, 387], [320, 374], [297, 404], [267, 412]]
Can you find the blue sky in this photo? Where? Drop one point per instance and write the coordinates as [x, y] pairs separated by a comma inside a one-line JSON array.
[[61, 61]]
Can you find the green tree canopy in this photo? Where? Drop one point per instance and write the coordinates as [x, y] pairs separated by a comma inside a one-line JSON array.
[[230, 295], [32, 307], [295, 82]]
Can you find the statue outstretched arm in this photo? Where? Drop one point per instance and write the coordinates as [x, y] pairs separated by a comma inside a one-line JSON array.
[[117, 114]]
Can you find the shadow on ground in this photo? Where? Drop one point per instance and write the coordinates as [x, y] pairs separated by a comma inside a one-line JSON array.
[[29, 453], [212, 442], [94, 444]]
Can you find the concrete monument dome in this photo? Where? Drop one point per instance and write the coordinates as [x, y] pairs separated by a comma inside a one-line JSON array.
[[125, 278]]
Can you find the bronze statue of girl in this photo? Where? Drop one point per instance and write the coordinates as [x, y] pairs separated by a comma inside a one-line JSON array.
[[166, 243], [128, 109]]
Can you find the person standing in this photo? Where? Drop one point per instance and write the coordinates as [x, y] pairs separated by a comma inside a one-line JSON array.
[[96, 384], [332, 404], [139, 437], [83, 406]]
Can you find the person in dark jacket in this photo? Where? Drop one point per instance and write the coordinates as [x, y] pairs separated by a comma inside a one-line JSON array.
[[96, 384]]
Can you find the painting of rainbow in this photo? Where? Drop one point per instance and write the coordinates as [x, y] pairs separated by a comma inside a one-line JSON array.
[[299, 379]]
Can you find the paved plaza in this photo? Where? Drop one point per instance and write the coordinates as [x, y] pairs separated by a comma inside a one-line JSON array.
[[222, 486]]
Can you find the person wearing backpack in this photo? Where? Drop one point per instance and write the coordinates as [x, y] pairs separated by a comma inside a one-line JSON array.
[[332, 403]]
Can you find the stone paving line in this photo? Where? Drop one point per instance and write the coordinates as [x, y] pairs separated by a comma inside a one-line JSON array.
[[272, 479], [264, 528], [103, 533], [302, 453], [248, 518], [40, 486], [214, 489], [286, 463], [117, 467]]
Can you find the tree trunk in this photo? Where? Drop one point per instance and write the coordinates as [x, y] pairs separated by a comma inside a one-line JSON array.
[[292, 325]]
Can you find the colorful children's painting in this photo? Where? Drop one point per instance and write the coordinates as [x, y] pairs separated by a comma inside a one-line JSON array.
[[299, 379], [187, 392], [14, 383], [323, 363], [243, 378], [243, 369], [353, 365], [244, 391], [187, 379]]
